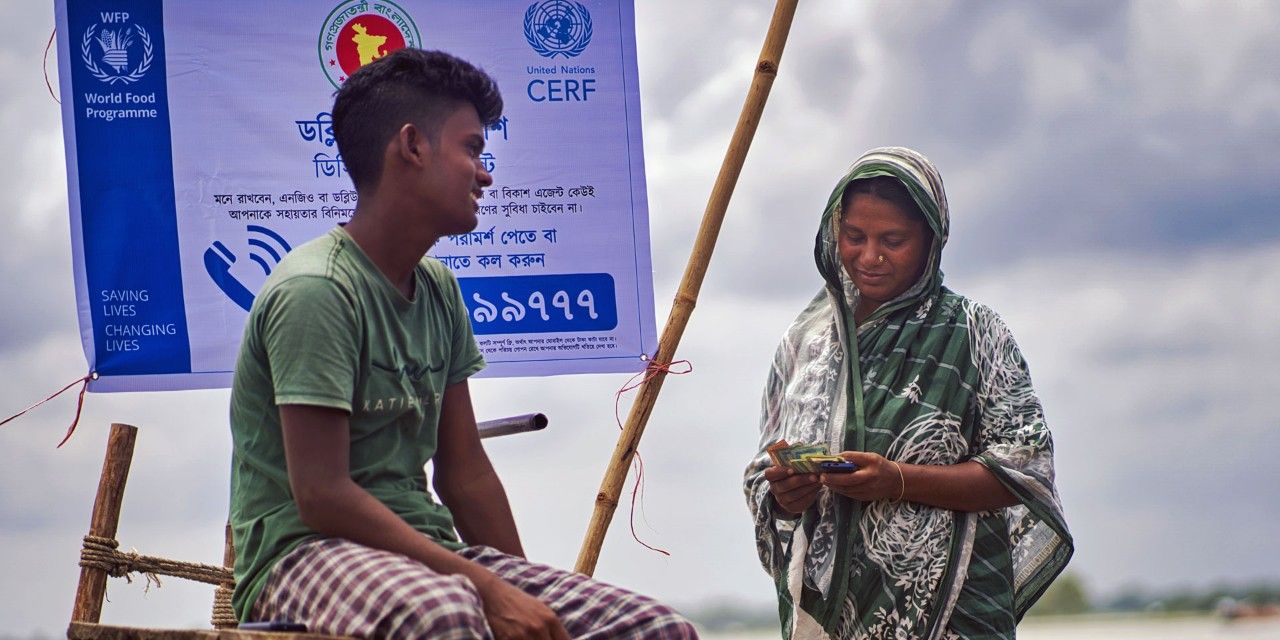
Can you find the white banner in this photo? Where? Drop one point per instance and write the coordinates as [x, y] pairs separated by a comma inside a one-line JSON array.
[[200, 151]]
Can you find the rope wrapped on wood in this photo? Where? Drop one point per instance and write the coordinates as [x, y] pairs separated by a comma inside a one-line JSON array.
[[224, 617], [102, 553]]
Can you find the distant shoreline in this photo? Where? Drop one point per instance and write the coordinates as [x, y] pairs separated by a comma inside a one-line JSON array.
[[1091, 626], [1033, 623]]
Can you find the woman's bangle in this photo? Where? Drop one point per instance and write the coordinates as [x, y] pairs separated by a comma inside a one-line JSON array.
[[903, 491]]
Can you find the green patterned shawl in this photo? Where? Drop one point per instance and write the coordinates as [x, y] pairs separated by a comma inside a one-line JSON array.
[[929, 378]]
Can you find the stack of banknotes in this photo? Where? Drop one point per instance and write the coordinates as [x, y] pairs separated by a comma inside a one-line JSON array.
[[807, 457]]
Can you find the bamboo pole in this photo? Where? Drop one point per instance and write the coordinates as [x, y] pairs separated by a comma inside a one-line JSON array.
[[687, 296], [106, 517]]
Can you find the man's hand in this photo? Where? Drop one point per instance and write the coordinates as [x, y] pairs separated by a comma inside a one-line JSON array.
[[516, 615], [794, 492]]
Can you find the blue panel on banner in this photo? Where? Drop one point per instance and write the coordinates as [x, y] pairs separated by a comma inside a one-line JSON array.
[[541, 304], [125, 170]]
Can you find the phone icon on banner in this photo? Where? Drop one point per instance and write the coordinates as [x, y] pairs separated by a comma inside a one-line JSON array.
[[218, 261]]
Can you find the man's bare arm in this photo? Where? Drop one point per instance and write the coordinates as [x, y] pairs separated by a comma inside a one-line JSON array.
[[317, 447], [465, 479]]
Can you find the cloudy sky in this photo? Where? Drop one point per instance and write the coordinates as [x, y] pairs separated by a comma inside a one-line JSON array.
[[1113, 170]]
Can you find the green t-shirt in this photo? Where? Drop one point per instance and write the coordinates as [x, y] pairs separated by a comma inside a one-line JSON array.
[[328, 329]]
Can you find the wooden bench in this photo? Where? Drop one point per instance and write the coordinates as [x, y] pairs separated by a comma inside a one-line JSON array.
[[99, 559]]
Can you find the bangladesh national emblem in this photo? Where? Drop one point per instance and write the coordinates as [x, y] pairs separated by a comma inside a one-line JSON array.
[[117, 52], [557, 28], [358, 32]]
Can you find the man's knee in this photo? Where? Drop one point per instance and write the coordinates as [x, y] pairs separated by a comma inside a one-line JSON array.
[[446, 609], [667, 624], [677, 628]]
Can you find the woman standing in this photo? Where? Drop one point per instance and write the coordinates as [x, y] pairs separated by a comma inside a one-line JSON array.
[[951, 526]]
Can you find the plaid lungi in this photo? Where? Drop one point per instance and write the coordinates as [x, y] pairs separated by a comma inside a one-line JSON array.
[[338, 587]]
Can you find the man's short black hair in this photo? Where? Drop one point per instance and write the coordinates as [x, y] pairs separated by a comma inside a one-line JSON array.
[[407, 86]]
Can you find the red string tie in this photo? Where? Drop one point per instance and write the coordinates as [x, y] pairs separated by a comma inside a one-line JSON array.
[[45, 66], [79, 405], [651, 371]]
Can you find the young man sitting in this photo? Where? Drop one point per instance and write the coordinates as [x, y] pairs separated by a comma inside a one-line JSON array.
[[353, 374]]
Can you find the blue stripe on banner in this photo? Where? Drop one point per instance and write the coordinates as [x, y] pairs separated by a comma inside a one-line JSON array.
[[125, 167]]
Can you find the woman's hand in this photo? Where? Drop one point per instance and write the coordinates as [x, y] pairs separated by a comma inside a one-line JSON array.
[[794, 492], [875, 478]]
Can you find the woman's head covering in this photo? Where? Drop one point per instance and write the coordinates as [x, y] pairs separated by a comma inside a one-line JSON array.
[[924, 184]]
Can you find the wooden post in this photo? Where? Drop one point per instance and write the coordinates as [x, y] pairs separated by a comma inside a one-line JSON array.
[[687, 296], [228, 548], [106, 517], [223, 616]]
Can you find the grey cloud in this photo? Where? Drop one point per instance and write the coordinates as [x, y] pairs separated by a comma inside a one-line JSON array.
[[1155, 380], [679, 55], [1057, 127], [33, 196]]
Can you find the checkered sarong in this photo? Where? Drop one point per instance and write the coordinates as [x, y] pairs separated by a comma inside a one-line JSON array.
[[338, 587]]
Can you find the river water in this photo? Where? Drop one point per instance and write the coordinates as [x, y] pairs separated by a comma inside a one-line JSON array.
[[1111, 629]]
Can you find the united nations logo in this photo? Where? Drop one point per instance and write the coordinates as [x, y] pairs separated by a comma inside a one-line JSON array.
[[557, 28], [124, 51], [358, 32]]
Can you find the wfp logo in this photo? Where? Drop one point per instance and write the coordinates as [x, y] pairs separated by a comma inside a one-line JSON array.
[[557, 28], [124, 50]]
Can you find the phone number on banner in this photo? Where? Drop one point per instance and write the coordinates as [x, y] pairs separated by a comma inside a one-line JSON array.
[[541, 304]]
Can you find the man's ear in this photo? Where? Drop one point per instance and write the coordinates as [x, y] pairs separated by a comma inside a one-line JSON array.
[[411, 145]]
